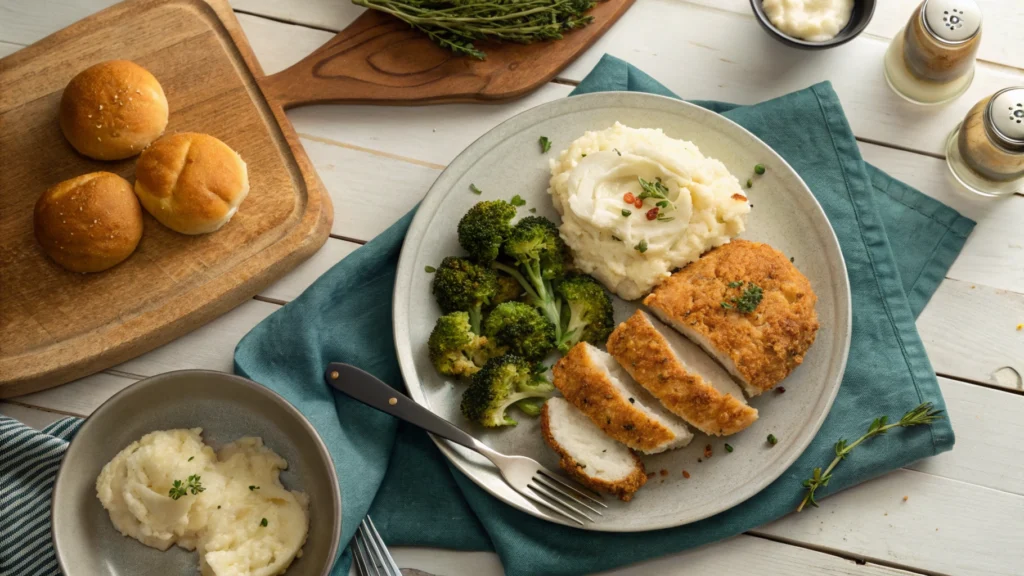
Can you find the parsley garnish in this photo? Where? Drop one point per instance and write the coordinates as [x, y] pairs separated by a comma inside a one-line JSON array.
[[663, 218], [191, 458], [545, 144], [626, 213], [533, 210], [179, 488], [475, 190], [517, 201], [750, 183], [772, 439], [728, 447], [251, 488], [641, 247], [263, 522], [747, 301]]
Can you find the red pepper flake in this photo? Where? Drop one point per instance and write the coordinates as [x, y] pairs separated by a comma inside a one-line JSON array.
[[781, 389], [686, 474], [652, 214], [629, 198], [739, 197], [664, 472], [707, 451], [638, 204]]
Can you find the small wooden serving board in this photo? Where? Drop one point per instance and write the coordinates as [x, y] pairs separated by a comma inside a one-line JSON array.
[[56, 325]]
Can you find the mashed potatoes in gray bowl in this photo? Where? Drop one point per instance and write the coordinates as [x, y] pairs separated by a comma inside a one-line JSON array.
[[637, 204]]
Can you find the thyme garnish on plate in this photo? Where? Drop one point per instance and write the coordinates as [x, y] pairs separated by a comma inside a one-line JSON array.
[[922, 415], [179, 488]]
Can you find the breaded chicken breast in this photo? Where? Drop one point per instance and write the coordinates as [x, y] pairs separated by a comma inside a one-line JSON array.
[[587, 454], [592, 382], [709, 301], [681, 376]]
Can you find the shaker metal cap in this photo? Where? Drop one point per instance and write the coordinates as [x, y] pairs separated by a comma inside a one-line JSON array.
[[1006, 116], [952, 21]]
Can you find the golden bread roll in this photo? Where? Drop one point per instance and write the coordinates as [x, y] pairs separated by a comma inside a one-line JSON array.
[[113, 110], [89, 223], [192, 183]]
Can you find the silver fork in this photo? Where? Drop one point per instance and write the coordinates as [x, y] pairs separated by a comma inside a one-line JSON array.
[[369, 552], [524, 475]]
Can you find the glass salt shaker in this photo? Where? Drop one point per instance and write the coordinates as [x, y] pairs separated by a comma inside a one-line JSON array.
[[931, 60], [985, 152]]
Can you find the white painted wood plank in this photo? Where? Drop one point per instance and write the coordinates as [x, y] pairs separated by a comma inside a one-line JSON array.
[[6, 48], [31, 417], [970, 332], [943, 527], [80, 397], [330, 14], [278, 45], [1003, 20], [26, 21]]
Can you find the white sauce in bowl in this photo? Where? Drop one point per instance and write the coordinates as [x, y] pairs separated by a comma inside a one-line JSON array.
[[811, 20]]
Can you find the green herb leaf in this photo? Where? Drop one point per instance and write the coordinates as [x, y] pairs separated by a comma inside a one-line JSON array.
[[583, 155], [759, 169], [617, 151], [545, 144], [475, 190], [429, 269], [626, 213], [750, 183], [641, 247], [263, 522], [772, 439], [735, 284], [191, 458], [517, 201], [251, 488], [616, 238], [192, 485], [533, 210], [728, 447]]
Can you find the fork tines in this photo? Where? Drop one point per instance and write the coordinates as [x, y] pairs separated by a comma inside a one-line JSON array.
[[562, 498], [370, 554]]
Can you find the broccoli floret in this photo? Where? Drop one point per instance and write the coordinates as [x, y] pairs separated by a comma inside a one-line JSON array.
[[589, 309], [463, 285], [485, 227], [539, 252], [509, 290], [455, 350], [521, 330], [502, 382]]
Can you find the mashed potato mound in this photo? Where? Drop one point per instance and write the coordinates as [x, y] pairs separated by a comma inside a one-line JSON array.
[[631, 250], [244, 522]]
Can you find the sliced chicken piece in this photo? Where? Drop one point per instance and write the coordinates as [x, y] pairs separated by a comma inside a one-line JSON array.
[[679, 374], [588, 454], [592, 382], [759, 346]]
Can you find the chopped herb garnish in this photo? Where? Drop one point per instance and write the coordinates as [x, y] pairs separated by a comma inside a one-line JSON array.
[[759, 169], [191, 458], [923, 414], [663, 218], [750, 183], [617, 151], [662, 204], [429, 269], [772, 439], [517, 201], [653, 190], [475, 190], [792, 259], [735, 284], [263, 522], [641, 247], [747, 301], [583, 155], [251, 488], [616, 238], [728, 448], [179, 488], [632, 401], [545, 144], [626, 213], [533, 210]]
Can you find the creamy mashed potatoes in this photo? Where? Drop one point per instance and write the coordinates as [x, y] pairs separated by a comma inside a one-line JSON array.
[[812, 20], [243, 521], [692, 204]]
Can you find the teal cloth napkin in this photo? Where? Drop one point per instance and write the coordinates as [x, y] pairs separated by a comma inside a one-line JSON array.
[[395, 473]]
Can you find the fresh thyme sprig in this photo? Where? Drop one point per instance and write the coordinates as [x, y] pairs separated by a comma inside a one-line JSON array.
[[922, 415], [456, 24], [179, 488]]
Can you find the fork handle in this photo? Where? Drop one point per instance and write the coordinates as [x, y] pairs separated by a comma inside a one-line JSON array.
[[371, 391]]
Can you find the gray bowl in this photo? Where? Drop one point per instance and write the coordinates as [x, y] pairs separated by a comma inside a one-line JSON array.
[[863, 10], [226, 407]]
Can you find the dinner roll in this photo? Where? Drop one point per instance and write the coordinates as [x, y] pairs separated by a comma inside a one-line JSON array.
[[89, 223], [192, 183], [113, 110]]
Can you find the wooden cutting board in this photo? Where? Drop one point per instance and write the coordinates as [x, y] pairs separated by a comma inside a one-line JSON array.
[[55, 325]]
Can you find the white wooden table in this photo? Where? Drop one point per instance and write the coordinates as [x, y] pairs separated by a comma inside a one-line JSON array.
[[965, 509]]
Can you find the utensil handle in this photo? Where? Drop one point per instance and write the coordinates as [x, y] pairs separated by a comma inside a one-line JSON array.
[[369, 390]]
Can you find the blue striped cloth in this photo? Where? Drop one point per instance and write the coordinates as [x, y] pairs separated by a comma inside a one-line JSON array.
[[29, 460]]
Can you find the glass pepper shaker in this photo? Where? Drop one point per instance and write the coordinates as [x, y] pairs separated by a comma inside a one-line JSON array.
[[985, 152], [931, 60]]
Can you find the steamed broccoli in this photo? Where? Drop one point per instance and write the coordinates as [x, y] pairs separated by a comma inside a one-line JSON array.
[[521, 330], [502, 382], [463, 285], [538, 250], [455, 350], [485, 227], [589, 310], [509, 290]]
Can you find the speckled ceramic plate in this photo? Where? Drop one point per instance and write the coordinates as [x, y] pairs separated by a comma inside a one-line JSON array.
[[226, 407], [507, 161]]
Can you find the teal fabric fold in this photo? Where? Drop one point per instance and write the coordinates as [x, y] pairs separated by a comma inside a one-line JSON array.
[[395, 473]]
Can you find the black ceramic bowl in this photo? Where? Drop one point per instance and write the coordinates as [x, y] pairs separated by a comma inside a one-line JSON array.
[[862, 12]]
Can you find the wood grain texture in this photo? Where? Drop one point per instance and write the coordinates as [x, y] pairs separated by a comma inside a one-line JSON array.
[[56, 325], [380, 59]]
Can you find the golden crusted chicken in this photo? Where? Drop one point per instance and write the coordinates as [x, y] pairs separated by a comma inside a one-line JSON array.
[[587, 454], [592, 382], [748, 306], [680, 375]]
